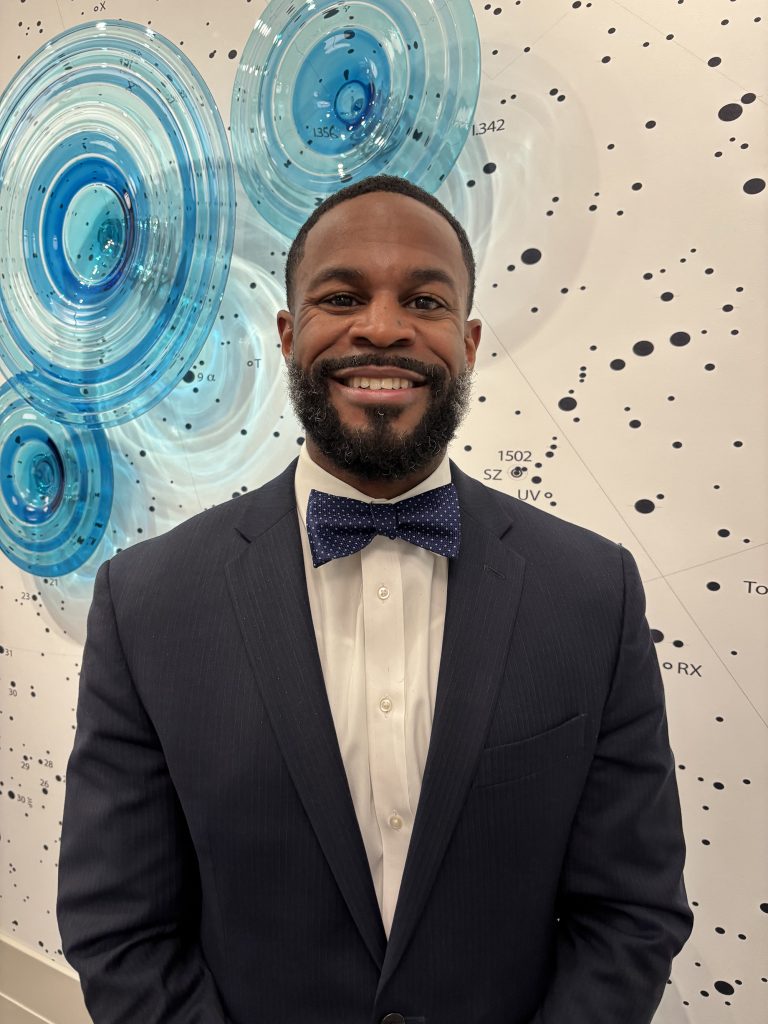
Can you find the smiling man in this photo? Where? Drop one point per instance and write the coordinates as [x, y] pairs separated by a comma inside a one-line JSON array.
[[380, 351], [373, 744]]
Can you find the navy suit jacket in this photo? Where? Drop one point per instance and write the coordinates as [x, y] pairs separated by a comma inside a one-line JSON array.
[[212, 870]]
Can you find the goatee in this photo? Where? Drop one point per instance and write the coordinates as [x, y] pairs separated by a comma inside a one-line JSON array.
[[379, 452]]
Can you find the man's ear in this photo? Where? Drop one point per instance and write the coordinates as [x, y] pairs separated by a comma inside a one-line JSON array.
[[472, 331], [285, 330]]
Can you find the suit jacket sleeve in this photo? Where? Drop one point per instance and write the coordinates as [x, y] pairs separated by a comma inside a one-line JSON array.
[[623, 913], [128, 885]]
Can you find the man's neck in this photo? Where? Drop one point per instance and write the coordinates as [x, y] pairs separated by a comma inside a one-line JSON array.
[[373, 488]]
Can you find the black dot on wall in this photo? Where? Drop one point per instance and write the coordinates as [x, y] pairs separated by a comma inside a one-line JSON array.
[[644, 506], [617, 364], [489, 168], [531, 256], [753, 186], [680, 338], [642, 348], [714, 61], [666, 296], [712, 585], [724, 988], [232, 54], [730, 111], [567, 404]]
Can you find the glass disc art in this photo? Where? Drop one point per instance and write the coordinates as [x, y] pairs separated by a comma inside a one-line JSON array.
[[328, 94], [55, 489], [117, 217]]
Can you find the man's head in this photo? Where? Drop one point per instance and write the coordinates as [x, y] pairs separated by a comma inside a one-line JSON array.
[[379, 286], [379, 183]]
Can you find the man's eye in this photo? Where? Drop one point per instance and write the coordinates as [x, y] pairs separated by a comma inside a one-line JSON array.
[[426, 302], [340, 300]]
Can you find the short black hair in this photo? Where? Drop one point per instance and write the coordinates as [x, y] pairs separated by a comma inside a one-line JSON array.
[[377, 183]]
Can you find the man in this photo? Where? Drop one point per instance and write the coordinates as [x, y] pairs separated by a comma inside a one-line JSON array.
[[340, 762]]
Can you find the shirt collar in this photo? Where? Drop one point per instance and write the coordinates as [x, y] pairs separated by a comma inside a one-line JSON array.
[[309, 475]]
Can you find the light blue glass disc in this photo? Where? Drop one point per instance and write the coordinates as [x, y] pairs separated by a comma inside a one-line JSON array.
[[327, 94], [55, 489], [117, 216]]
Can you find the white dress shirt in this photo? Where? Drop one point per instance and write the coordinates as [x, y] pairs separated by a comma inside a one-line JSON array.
[[379, 616]]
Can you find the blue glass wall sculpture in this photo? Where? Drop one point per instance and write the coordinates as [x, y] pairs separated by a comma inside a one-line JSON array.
[[117, 220], [55, 489], [327, 94]]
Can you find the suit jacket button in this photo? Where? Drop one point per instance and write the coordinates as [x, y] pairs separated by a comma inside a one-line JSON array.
[[393, 1018]]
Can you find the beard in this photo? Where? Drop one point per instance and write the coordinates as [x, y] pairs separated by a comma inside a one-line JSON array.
[[380, 451]]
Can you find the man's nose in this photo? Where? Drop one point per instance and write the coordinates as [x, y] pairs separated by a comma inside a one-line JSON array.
[[382, 321]]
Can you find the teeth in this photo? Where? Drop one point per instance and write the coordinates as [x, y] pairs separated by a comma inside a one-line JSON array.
[[377, 383]]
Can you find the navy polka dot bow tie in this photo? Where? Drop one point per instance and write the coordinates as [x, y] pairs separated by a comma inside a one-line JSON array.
[[338, 526]]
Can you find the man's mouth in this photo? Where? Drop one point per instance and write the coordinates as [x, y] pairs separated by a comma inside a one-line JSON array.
[[379, 383], [379, 379]]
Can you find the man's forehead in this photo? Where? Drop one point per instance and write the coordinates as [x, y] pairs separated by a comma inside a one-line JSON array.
[[382, 214], [400, 275], [380, 219]]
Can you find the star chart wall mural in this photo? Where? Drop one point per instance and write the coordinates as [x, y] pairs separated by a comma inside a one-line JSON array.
[[608, 161]]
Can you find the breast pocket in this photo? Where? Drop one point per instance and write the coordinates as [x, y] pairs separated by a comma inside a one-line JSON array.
[[511, 761]]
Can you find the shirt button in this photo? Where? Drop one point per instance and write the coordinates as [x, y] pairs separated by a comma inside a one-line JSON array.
[[383, 593], [385, 704], [395, 821]]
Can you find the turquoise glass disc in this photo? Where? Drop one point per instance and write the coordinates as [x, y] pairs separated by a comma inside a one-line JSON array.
[[328, 94], [117, 216], [94, 233], [56, 486], [334, 111]]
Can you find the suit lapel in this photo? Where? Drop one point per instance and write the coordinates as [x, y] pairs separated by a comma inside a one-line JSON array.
[[484, 586], [268, 587]]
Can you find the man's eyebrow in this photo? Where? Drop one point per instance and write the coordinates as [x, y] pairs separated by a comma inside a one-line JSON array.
[[351, 275], [347, 274]]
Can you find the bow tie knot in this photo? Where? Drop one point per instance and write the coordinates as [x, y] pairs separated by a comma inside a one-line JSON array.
[[384, 519], [339, 526]]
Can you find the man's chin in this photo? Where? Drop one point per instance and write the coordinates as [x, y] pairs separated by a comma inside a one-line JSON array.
[[373, 454], [375, 446]]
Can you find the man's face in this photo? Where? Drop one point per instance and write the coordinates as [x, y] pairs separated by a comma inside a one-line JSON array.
[[380, 293]]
